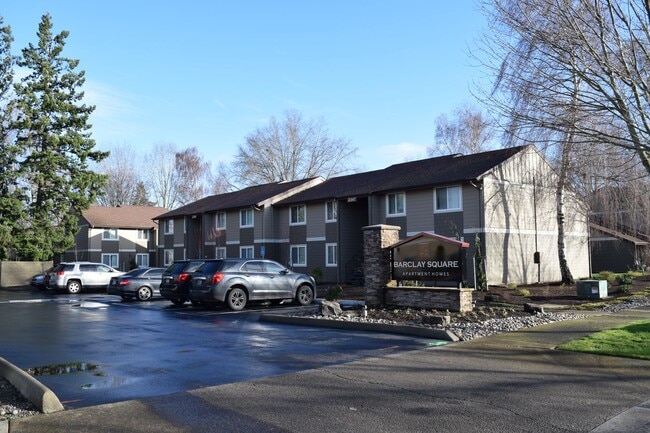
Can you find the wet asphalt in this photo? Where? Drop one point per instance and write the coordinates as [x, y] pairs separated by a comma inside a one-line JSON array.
[[514, 382]]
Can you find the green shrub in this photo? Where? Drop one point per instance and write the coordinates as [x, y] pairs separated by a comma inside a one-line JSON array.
[[524, 292], [625, 279], [511, 285], [334, 293]]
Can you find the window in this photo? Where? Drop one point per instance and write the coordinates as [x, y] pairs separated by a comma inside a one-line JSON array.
[[330, 255], [168, 257], [220, 220], [142, 260], [299, 255], [331, 211], [110, 235], [297, 215], [395, 204], [246, 218], [110, 260], [143, 234], [220, 253], [169, 227], [448, 199], [246, 252]]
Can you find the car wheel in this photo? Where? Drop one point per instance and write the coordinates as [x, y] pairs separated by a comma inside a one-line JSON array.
[[236, 299], [177, 301], [73, 287], [304, 295], [144, 293], [127, 297]]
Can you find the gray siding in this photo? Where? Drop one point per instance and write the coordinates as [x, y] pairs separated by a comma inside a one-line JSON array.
[[419, 211]]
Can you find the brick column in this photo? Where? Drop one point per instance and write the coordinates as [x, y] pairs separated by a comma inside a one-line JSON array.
[[376, 260]]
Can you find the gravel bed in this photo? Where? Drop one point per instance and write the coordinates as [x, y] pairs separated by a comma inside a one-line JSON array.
[[12, 403]]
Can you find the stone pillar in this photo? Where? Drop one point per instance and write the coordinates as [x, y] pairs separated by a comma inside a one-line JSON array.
[[376, 260]]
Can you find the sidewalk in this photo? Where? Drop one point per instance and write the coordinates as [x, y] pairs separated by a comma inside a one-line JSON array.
[[514, 382]]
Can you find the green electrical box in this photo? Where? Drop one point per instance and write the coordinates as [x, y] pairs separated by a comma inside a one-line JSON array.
[[593, 289]]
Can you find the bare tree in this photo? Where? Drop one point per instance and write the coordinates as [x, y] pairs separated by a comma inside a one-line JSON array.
[[176, 177], [467, 131], [291, 148], [193, 172], [543, 47], [123, 177]]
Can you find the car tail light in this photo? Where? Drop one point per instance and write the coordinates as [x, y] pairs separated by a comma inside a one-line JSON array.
[[123, 282], [216, 278], [183, 277], [59, 273]]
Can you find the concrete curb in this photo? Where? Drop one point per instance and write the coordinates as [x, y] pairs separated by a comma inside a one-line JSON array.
[[34, 391], [416, 331]]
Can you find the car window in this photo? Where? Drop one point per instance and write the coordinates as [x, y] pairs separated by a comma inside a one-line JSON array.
[[274, 268], [193, 266], [155, 273], [254, 266], [210, 267], [176, 267], [66, 268], [88, 268], [104, 268]]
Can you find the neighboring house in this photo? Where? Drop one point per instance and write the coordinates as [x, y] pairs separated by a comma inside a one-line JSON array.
[[614, 251], [506, 197], [235, 224], [121, 237]]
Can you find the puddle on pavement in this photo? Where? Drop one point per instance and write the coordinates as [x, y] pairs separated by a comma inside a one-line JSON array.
[[79, 372], [69, 368]]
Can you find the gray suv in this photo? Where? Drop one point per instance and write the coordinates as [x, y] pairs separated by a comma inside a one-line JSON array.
[[237, 281], [75, 276]]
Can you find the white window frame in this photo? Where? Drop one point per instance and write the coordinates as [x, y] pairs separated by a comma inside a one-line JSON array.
[[245, 212], [143, 234], [331, 260], [300, 214], [217, 222], [393, 197], [142, 260], [168, 257], [111, 259], [110, 235], [169, 226], [446, 191], [301, 263], [220, 253], [331, 211], [247, 252]]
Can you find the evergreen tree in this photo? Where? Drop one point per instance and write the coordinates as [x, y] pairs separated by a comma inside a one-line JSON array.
[[10, 198], [53, 136]]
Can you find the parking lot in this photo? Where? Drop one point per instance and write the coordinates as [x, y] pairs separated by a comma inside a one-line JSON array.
[[95, 348]]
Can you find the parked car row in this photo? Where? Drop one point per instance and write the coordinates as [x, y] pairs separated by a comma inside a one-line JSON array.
[[234, 282]]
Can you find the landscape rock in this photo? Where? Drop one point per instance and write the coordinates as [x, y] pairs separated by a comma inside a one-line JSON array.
[[330, 308]]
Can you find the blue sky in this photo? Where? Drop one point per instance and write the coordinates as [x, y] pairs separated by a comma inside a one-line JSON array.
[[208, 73]]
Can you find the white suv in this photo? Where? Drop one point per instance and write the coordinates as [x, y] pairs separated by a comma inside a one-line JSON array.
[[74, 276]]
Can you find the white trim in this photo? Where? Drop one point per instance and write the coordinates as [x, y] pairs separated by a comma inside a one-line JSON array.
[[335, 205], [298, 265], [179, 245], [298, 223], [336, 255], [232, 242], [271, 241], [460, 199], [399, 214], [316, 239]]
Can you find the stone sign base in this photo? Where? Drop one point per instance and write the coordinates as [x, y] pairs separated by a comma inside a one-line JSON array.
[[439, 298]]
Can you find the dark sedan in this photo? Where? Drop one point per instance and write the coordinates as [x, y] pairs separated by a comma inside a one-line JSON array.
[[141, 283]]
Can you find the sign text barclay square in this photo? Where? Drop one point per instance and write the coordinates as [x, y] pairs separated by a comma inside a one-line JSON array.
[[428, 257]]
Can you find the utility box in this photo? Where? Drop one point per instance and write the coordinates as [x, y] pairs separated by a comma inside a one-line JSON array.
[[593, 289]]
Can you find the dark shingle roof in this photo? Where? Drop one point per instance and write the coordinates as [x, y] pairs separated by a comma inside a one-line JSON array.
[[234, 200], [408, 175], [126, 217]]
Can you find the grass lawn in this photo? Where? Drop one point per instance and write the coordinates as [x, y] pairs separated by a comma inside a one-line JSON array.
[[630, 341]]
